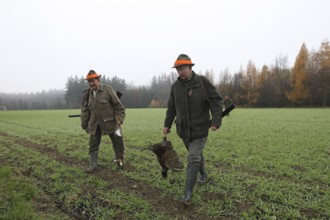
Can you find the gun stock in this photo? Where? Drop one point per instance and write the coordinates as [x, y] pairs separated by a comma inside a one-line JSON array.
[[229, 109], [225, 112]]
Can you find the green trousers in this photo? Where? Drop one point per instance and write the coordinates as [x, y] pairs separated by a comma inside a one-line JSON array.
[[117, 142]]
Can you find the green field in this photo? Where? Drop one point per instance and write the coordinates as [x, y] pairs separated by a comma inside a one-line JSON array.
[[262, 163]]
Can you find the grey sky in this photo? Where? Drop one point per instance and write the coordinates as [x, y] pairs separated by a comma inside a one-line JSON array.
[[42, 42]]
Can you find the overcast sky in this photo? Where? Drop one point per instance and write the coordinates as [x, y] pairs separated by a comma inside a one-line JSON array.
[[42, 42]]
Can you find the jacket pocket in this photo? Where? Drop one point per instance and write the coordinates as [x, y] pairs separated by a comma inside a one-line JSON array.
[[109, 123], [177, 120], [104, 104], [199, 131], [199, 122]]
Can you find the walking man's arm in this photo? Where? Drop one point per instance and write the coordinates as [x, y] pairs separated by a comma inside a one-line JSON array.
[[170, 114], [216, 104]]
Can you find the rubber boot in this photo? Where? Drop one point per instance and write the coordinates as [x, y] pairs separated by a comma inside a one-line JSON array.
[[202, 171], [192, 171], [94, 156]]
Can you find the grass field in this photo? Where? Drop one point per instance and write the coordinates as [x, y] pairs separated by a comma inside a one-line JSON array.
[[262, 163]]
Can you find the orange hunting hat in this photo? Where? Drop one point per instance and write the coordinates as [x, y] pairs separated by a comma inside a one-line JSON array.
[[92, 75], [183, 59]]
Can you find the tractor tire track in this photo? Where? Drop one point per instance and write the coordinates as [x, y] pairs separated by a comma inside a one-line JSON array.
[[49, 203], [225, 167], [43, 203], [271, 176], [160, 203]]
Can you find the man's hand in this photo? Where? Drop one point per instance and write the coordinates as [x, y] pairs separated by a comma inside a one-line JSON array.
[[214, 128], [118, 121], [166, 130]]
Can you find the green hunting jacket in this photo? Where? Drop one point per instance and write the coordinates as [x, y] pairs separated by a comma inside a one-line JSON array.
[[101, 111], [190, 105]]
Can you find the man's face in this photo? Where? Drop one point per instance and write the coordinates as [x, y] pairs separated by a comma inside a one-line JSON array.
[[94, 83], [184, 71]]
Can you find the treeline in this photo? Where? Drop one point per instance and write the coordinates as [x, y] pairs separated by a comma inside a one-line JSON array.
[[76, 85], [154, 95], [277, 85], [52, 99], [307, 83]]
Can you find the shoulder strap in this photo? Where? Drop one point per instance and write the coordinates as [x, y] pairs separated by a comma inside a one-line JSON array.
[[201, 83]]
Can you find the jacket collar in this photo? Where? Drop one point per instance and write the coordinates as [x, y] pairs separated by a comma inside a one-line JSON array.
[[99, 89], [191, 77]]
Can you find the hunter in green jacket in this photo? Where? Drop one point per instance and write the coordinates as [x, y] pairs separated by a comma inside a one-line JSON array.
[[193, 97], [102, 113]]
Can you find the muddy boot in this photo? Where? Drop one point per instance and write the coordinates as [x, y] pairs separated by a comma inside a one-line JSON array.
[[94, 156], [202, 171], [192, 171]]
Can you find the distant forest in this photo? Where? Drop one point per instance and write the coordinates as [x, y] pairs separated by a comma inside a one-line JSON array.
[[306, 84]]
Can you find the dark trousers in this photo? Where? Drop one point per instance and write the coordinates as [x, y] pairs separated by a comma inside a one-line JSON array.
[[117, 142]]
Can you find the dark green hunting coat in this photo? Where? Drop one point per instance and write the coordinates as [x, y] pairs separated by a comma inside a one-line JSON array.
[[190, 105], [101, 110]]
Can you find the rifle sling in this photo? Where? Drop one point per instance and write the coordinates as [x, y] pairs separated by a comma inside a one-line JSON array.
[[200, 80]]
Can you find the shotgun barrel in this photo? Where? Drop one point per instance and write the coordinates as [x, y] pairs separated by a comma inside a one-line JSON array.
[[74, 116]]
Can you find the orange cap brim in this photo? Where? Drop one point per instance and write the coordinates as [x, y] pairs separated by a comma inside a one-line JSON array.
[[93, 76], [182, 62]]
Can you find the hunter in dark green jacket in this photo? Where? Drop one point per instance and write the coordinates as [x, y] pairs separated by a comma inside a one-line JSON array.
[[190, 104], [195, 105]]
